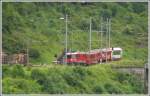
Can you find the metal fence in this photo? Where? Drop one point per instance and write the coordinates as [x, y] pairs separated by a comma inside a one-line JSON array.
[[19, 58]]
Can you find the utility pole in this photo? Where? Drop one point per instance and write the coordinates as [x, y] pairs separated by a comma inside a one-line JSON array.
[[101, 32], [66, 36], [101, 36], [90, 34], [66, 21], [27, 56], [109, 31], [27, 51], [106, 37]]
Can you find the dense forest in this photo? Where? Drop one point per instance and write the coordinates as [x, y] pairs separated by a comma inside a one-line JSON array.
[[38, 27]]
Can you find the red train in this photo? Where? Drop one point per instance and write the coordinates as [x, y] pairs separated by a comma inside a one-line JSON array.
[[93, 57]]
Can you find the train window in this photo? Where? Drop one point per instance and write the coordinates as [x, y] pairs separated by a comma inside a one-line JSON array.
[[77, 56], [68, 56], [73, 56], [116, 52]]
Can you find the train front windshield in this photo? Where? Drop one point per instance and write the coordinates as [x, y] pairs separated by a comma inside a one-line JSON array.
[[117, 52]]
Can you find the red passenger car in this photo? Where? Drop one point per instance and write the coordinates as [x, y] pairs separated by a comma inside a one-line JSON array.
[[94, 56]]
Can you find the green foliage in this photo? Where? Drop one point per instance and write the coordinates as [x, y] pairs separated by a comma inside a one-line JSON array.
[[34, 53], [138, 8], [18, 71], [27, 22], [99, 89], [66, 79], [111, 88], [135, 82], [106, 13], [5, 70], [128, 30], [22, 22], [16, 85], [38, 75], [125, 78], [54, 84]]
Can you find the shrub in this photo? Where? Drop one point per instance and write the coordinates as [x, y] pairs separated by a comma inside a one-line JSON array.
[[71, 79], [17, 85], [106, 13], [111, 88], [128, 30], [34, 53], [99, 89], [75, 77], [18, 71], [114, 10], [80, 72], [121, 77], [54, 85], [38, 75], [51, 81], [137, 85], [6, 71], [138, 8]]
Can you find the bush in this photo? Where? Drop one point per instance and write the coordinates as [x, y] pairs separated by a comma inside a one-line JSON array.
[[6, 71], [38, 75], [83, 24], [33, 53], [51, 81], [111, 88], [137, 85], [106, 13], [17, 85], [138, 8], [114, 10], [18, 71], [75, 77], [128, 30], [131, 79], [80, 72], [73, 80], [55, 85], [122, 77], [99, 89]]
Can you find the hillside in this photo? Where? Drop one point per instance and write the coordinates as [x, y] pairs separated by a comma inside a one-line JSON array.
[[98, 79], [38, 26]]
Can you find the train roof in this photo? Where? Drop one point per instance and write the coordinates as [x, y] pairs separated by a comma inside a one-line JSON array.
[[117, 48], [78, 52], [95, 51]]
